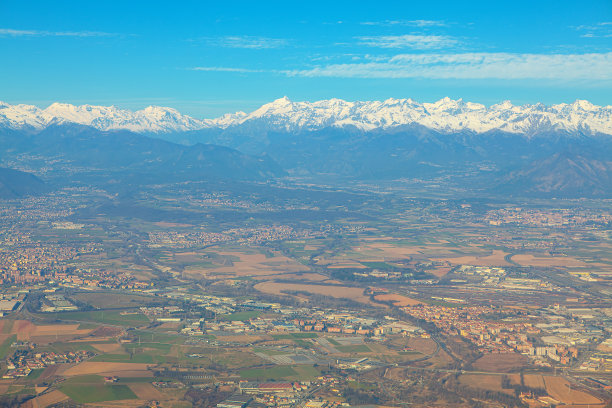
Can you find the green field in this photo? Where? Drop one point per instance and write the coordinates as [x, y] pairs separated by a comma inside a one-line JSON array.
[[383, 266], [84, 394], [114, 318], [239, 316], [8, 326], [292, 336], [5, 348], [271, 352], [356, 385], [34, 374], [306, 372], [360, 348], [272, 373], [126, 358], [303, 343], [91, 388], [155, 337], [157, 346], [61, 347], [281, 372]]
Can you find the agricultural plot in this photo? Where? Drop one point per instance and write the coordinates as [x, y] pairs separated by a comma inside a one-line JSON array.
[[345, 292], [360, 348], [148, 392], [87, 393], [397, 300], [107, 317], [298, 373], [493, 258], [501, 363], [5, 347], [486, 382], [242, 264], [49, 399], [110, 300], [561, 390], [548, 261], [108, 368]]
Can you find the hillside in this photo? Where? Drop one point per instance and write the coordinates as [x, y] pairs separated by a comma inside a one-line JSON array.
[[70, 147], [565, 174], [15, 184]]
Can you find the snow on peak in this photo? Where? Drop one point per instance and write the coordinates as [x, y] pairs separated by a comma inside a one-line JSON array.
[[584, 105], [153, 119], [446, 115]]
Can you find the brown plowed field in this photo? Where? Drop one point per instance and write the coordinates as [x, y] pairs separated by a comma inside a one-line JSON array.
[[95, 367], [534, 381], [397, 300], [108, 347], [50, 398], [500, 363], [148, 392], [559, 388], [496, 258], [277, 288]]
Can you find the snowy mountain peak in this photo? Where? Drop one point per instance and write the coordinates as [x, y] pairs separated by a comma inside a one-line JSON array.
[[584, 105], [153, 119], [446, 115]]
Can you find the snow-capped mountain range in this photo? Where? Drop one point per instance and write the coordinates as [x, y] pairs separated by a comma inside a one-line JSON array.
[[445, 115]]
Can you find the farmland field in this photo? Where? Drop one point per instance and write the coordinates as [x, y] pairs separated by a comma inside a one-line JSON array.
[[500, 362], [327, 290], [280, 373], [559, 388], [85, 393]]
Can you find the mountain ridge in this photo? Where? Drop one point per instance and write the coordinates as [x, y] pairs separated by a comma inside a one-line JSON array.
[[64, 148], [16, 184], [446, 116]]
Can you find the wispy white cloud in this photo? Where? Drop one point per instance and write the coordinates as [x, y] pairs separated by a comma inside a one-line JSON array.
[[9, 32], [241, 41], [594, 66], [414, 41], [411, 23], [598, 30]]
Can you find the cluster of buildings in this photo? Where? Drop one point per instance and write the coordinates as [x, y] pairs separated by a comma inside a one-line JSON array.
[[61, 276], [23, 361], [278, 388], [494, 336], [599, 361], [548, 335], [286, 320], [498, 277], [279, 394], [237, 235], [185, 239], [160, 311], [32, 263], [57, 303], [222, 201], [89, 278], [176, 239], [23, 261], [546, 218], [36, 209], [277, 318], [10, 302]]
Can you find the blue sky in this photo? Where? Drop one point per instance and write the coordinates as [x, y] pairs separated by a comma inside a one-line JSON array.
[[207, 58]]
